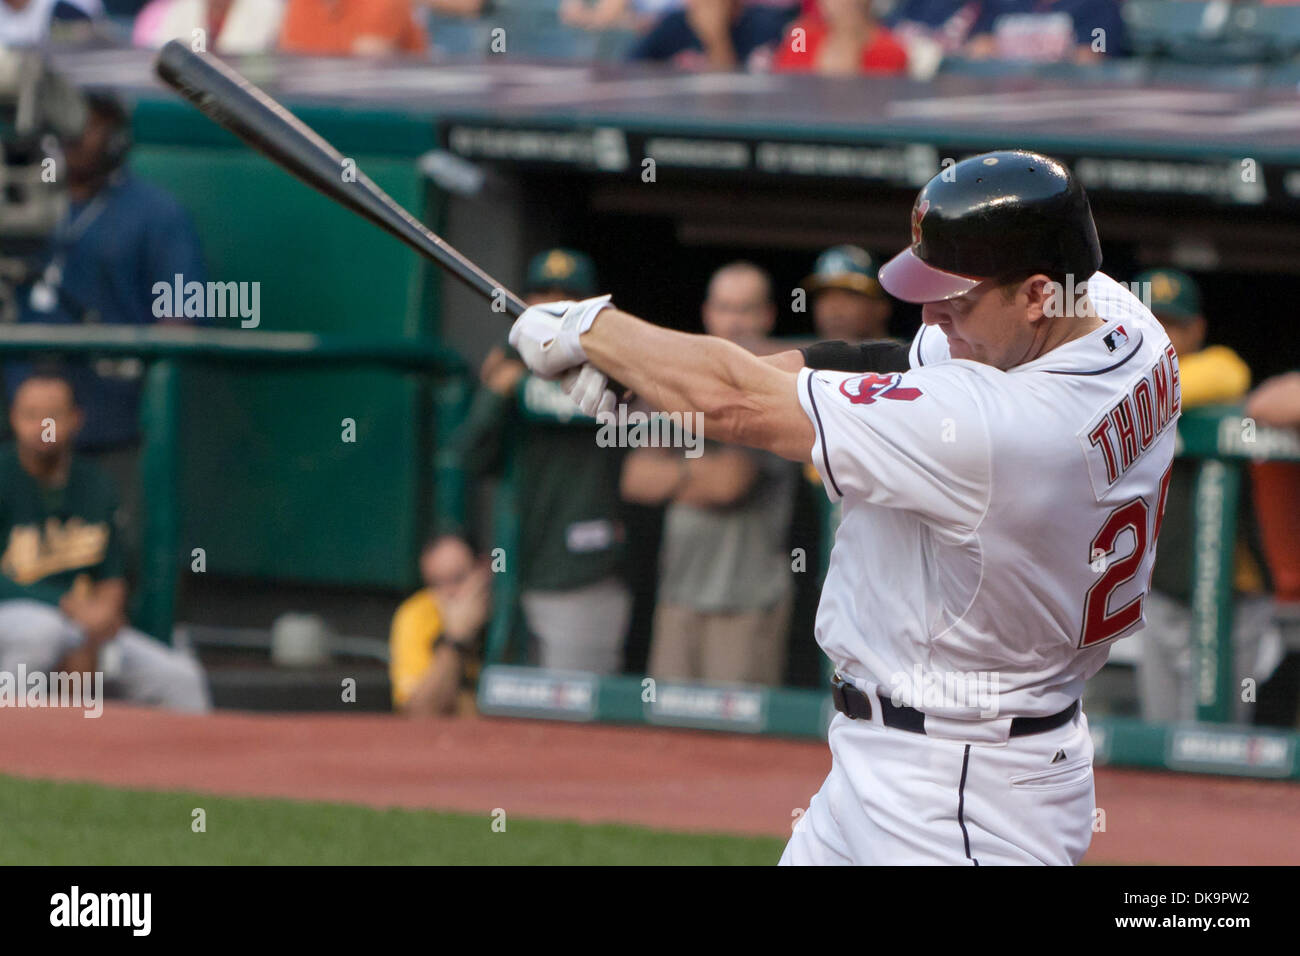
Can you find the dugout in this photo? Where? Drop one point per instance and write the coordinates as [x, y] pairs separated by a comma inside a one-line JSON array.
[[743, 166]]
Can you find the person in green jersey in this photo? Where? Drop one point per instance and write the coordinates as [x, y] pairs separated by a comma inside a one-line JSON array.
[[576, 603], [63, 593]]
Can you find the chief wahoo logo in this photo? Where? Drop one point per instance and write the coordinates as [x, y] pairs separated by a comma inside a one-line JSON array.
[[918, 213], [865, 389]]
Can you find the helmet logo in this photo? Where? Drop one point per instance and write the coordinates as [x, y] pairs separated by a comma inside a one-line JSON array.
[[918, 213], [1164, 287], [558, 265]]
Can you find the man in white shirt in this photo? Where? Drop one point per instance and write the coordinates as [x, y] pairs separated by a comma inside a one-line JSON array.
[[1002, 498]]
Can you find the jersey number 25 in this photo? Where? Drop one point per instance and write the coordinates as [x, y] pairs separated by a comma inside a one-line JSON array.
[[1099, 623]]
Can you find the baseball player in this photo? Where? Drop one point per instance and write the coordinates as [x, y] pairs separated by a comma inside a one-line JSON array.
[[847, 303], [1002, 499]]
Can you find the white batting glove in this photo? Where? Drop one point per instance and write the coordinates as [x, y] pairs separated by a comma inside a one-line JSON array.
[[588, 386], [546, 336]]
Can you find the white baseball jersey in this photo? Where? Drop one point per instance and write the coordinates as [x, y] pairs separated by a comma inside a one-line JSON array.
[[999, 523]]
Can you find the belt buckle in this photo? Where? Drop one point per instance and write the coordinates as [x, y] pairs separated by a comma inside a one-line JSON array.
[[837, 694]]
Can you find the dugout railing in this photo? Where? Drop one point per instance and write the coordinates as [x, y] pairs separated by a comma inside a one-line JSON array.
[[172, 350]]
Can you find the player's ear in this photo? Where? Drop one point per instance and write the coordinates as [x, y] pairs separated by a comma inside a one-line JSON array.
[[1040, 297]]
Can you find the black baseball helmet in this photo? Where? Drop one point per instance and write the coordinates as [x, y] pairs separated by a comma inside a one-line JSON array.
[[993, 215]]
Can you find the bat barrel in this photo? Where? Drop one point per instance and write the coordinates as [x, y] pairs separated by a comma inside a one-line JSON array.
[[238, 106]]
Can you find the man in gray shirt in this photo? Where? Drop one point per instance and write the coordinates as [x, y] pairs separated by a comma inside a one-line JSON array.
[[725, 589]]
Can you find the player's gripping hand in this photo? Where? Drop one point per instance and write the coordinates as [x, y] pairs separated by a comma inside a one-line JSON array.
[[589, 387], [546, 336]]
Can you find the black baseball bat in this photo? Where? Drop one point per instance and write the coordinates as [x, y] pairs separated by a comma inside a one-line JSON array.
[[235, 104]]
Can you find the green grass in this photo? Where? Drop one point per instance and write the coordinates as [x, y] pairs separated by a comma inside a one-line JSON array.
[[43, 822]]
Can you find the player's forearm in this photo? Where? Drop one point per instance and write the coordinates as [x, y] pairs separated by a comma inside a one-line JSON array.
[[81, 660], [680, 372], [790, 360], [105, 613], [110, 599], [650, 476], [435, 694], [1277, 401]]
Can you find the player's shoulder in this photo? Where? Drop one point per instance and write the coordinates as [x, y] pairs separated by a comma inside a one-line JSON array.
[[1125, 343], [960, 381], [419, 607], [919, 408], [951, 379]]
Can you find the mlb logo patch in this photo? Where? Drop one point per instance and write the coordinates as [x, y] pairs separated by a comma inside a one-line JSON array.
[[1116, 339]]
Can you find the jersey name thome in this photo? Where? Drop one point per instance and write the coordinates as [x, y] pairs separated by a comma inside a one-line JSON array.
[[1120, 434]]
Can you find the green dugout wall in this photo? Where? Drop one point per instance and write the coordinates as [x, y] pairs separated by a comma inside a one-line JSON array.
[[358, 507]]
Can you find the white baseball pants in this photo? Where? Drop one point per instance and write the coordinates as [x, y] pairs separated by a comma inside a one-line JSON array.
[[135, 666], [894, 797]]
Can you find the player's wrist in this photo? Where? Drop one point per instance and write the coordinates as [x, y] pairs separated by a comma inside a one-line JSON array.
[[547, 335], [579, 319], [461, 643], [583, 313]]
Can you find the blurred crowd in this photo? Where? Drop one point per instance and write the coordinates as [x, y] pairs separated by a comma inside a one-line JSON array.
[[915, 38], [834, 37]]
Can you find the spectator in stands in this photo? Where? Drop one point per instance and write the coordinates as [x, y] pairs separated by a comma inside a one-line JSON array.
[[229, 26], [373, 28], [575, 602], [932, 29], [716, 34], [1207, 375], [27, 23], [636, 15], [119, 237], [1047, 30], [725, 585], [842, 39], [434, 647], [62, 590], [847, 302]]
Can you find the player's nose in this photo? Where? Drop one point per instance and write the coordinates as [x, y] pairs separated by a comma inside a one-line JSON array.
[[932, 314]]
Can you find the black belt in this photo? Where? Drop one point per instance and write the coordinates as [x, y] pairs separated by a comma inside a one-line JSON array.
[[856, 705]]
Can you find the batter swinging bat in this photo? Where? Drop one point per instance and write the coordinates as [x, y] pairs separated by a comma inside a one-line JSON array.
[[232, 102]]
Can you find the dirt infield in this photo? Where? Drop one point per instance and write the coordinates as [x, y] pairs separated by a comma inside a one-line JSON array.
[[669, 779]]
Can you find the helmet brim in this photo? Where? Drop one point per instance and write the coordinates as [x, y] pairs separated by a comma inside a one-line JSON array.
[[909, 278]]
